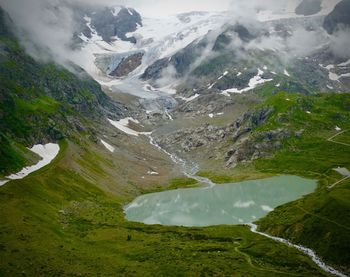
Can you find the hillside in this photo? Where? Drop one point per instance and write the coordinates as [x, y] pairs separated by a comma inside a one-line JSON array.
[[67, 218], [157, 105], [289, 134], [43, 102]]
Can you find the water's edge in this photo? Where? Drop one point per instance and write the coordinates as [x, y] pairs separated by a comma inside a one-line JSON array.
[[190, 172]]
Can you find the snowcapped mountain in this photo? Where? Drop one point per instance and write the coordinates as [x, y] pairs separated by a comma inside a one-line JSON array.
[[147, 46], [152, 39]]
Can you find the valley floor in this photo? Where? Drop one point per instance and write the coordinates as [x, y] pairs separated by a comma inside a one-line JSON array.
[[58, 222], [67, 219]]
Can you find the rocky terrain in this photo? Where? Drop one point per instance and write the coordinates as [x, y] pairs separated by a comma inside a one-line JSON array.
[[119, 65], [338, 18], [235, 101], [308, 7], [244, 143], [109, 23]]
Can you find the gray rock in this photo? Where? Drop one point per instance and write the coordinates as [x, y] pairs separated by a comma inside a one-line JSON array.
[[338, 17]]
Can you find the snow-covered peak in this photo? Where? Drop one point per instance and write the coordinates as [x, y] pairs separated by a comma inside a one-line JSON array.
[[165, 36]]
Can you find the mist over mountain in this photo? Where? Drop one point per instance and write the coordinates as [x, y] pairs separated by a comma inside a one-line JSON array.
[[174, 138]]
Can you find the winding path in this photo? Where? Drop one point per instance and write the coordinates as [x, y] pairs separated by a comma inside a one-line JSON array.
[[250, 262], [331, 139]]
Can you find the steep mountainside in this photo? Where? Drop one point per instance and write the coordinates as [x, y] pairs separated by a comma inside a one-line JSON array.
[[235, 102], [235, 60], [42, 102], [309, 7], [338, 18], [108, 23], [284, 134]]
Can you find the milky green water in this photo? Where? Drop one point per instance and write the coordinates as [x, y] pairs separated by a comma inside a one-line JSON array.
[[235, 203]]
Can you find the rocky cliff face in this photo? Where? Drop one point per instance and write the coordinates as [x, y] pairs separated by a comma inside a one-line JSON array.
[[119, 65], [128, 65], [228, 60], [338, 18], [181, 61], [245, 143], [309, 7], [108, 23]]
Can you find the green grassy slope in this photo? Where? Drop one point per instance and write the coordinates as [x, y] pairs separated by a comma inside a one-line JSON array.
[[321, 220], [58, 222], [41, 102], [61, 221]]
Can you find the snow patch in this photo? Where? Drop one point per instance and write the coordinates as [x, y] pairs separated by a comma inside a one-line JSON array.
[[189, 98], [225, 93], [253, 83], [169, 115], [47, 153], [336, 77], [152, 172], [115, 11], [328, 67], [109, 147], [343, 171], [344, 63], [130, 12], [213, 84], [122, 125], [223, 75], [266, 208], [286, 73]]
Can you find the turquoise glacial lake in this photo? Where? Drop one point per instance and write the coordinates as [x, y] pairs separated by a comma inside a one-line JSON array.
[[233, 203]]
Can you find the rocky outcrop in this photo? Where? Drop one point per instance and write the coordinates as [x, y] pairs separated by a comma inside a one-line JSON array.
[[119, 65], [259, 145], [154, 71], [191, 139], [127, 65], [247, 144], [338, 18], [108, 22], [309, 7], [181, 61]]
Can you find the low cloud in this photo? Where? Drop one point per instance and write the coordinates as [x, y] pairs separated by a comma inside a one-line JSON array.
[[340, 43], [44, 28]]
